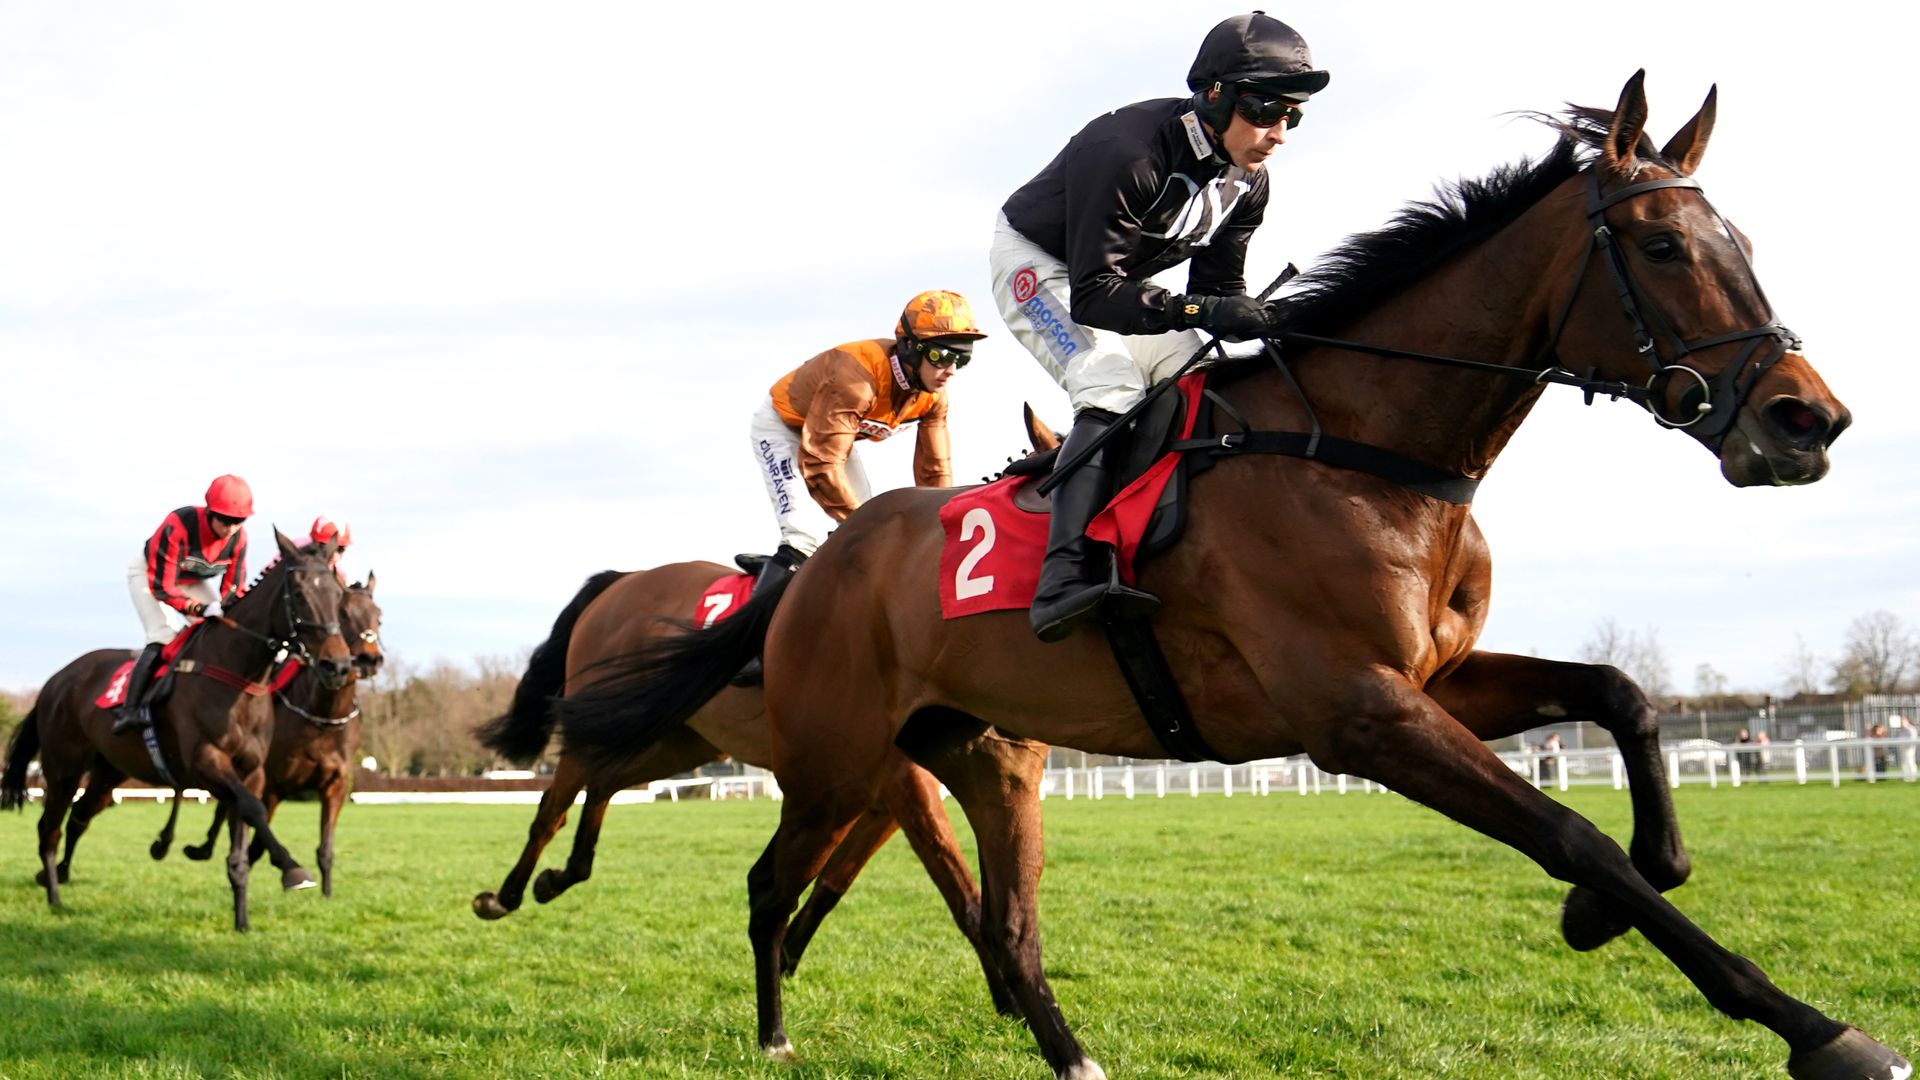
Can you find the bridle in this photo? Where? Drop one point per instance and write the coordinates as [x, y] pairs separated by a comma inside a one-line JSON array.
[[290, 644], [1708, 407], [1698, 408]]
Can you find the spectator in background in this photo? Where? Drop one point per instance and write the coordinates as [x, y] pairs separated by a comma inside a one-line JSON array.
[[1880, 756], [1745, 756], [1550, 761]]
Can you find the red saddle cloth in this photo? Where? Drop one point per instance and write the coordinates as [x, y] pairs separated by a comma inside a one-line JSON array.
[[116, 692], [722, 598], [994, 548]]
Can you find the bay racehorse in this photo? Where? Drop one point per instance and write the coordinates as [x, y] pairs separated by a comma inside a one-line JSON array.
[[316, 733], [616, 612], [208, 732], [1325, 609]]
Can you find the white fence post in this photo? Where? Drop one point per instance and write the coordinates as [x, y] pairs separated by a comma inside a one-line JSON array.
[[1733, 768], [1160, 782], [1069, 775], [1126, 781], [1099, 782], [1226, 780], [1340, 784], [1673, 768], [1800, 761], [1833, 763], [1193, 780], [1619, 770]]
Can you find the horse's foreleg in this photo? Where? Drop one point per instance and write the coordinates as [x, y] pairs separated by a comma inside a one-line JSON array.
[[164, 842], [55, 800], [913, 795], [1496, 695], [1398, 736], [997, 780], [239, 868], [258, 846], [102, 778], [569, 777], [868, 835], [246, 806], [332, 798]]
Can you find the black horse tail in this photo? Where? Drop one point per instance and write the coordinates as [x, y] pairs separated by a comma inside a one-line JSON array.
[[640, 697], [521, 733], [20, 751]]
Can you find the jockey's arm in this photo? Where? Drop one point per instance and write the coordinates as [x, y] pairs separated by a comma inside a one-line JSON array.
[[233, 584], [932, 458], [163, 565], [826, 441]]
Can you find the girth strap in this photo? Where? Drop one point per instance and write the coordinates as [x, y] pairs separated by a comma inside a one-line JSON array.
[[1137, 650], [152, 742], [1342, 454]]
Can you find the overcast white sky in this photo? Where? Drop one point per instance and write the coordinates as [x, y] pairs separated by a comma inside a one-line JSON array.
[[501, 284]]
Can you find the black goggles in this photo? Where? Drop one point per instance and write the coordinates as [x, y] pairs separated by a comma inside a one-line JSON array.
[[1265, 110], [943, 356]]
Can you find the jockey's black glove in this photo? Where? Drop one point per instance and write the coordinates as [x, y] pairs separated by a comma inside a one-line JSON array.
[[1231, 318]]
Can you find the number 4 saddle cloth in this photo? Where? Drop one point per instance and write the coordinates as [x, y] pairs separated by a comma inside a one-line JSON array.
[[996, 534]]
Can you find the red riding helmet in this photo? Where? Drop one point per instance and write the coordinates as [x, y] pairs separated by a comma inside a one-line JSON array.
[[229, 496], [324, 530]]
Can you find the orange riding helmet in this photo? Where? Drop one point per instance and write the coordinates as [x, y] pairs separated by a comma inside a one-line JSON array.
[[938, 313]]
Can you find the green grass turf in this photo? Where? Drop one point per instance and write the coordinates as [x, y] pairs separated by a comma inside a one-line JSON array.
[[1327, 936]]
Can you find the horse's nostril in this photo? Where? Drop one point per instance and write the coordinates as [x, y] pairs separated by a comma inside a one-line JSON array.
[[1798, 422]]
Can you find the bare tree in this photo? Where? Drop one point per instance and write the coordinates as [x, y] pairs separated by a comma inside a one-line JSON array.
[[1878, 655], [1639, 655], [1803, 669], [1709, 683]]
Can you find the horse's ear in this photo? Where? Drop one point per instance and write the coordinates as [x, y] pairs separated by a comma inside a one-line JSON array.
[[287, 550], [1689, 144], [1039, 435], [1629, 122], [369, 583]]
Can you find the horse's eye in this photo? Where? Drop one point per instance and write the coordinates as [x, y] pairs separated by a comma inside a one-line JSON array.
[[1661, 248]]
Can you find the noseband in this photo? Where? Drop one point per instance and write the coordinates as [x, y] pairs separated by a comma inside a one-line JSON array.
[[1700, 404]]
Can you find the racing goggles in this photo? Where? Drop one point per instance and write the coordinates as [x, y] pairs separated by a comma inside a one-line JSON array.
[[944, 356], [1263, 109]]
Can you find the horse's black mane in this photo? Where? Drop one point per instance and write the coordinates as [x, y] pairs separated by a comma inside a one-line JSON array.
[[1369, 268]]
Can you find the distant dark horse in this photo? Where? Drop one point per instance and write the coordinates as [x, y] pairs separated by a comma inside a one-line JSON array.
[[1315, 608], [316, 732], [208, 732]]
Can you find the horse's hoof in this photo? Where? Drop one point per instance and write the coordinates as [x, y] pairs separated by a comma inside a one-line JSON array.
[[1588, 921], [1852, 1055], [488, 906], [198, 854], [782, 1051], [295, 879], [549, 885], [1085, 1069], [158, 850], [40, 877]]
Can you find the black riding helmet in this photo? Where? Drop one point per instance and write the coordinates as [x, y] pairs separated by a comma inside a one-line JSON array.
[[1255, 50]]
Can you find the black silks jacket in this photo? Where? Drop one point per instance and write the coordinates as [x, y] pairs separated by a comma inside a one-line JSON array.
[[1137, 191]]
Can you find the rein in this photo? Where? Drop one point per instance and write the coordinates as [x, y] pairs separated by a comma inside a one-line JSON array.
[[323, 721], [1699, 408]]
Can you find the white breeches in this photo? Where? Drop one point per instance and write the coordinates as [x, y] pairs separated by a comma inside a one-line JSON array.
[[159, 621], [1100, 369], [776, 450]]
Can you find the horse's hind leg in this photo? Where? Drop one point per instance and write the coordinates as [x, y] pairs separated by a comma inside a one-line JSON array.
[[997, 780], [56, 799], [914, 797], [569, 777], [1397, 736], [203, 851], [814, 817], [102, 778], [1495, 695], [677, 752], [871, 832]]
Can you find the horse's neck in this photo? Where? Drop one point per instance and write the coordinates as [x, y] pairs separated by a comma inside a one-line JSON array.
[[1492, 303], [246, 652]]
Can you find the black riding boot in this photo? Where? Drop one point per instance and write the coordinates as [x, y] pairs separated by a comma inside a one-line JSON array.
[[1078, 579], [778, 568], [131, 714]]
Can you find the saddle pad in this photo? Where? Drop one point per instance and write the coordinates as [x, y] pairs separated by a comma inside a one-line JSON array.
[[722, 598], [991, 558], [116, 691]]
